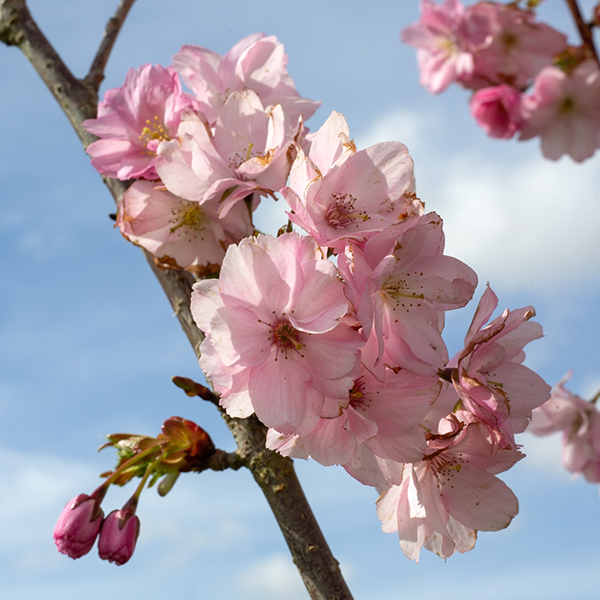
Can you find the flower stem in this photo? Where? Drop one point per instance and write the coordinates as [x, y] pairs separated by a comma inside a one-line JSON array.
[[585, 31]]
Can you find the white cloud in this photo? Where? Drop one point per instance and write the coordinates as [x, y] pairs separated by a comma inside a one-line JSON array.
[[531, 223], [272, 577]]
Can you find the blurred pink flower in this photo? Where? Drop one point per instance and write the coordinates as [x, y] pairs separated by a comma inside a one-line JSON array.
[[444, 47], [579, 422], [516, 47], [563, 109], [497, 110]]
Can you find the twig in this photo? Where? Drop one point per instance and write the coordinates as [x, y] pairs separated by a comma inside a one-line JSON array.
[[191, 388], [96, 75], [585, 30], [219, 461], [274, 473]]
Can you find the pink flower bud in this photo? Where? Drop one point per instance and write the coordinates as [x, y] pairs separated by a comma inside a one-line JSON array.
[[496, 109], [118, 536], [78, 526]]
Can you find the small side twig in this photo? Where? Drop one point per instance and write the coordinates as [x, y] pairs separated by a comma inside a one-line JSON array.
[[585, 31], [96, 74], [191, 388], [219, 461]]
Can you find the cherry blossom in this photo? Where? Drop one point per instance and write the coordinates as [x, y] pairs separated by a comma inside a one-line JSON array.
[[383, 416], [337, 193], [563, 110], [118, 536], [133, 119], [579, 421], [444, 499], [178, 233], [273, 325], [400, 284], [489, 377], [444, 44], [256, 63], [248, 152], [516, 47], [497, 110]]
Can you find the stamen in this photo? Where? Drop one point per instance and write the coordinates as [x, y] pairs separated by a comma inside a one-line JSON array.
[[153, 131], [189, 216], [341, 212]]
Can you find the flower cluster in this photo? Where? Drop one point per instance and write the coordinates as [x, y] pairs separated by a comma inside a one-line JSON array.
[[332, 339], [181, 445], [525, 79], [579, 422], [197, 156], [343, 360]]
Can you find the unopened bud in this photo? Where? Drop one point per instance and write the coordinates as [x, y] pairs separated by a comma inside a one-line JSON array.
[[78, 526], [118, 536]]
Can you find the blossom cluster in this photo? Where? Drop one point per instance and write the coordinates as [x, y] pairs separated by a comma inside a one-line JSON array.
[[579, 422], [332, 338], [344, 360], [525, 78], [197, 155]]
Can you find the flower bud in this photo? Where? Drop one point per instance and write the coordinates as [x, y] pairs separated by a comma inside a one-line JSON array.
[[78, 526], [118, 536], [496, 109]]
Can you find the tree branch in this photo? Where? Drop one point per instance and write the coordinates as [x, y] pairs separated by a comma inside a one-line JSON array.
[[584, 29], [96, 75], [274, 473]]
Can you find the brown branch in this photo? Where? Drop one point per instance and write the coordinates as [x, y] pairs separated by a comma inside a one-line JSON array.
[[96, 75], [584, 29], [274, 473]]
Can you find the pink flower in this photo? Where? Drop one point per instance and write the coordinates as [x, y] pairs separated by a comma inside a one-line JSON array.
[[118, 536], [178, 233], [336, 193], [78, 526], [400, 284], [133, 119], [490, 379], [249, 151], [444, 44], [444, 499], [496, 109], [383, 416], [275, 340], [579, 421], [516, 46], [256, 63], [563, 110]]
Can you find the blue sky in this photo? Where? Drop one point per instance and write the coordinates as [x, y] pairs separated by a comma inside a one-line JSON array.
[[88, 343]]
